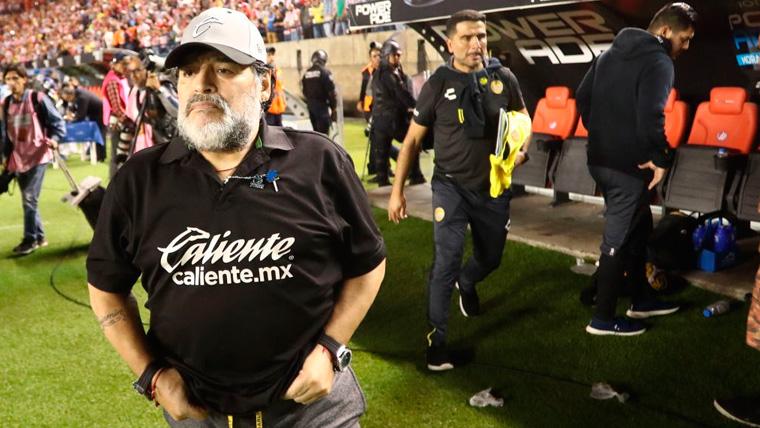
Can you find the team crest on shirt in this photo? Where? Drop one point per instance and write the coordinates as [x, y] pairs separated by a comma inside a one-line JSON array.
[[497, 87]]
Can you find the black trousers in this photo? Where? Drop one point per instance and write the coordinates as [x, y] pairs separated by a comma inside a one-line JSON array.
[[384, 131], [454, 208], [627, 226], [100, 151], [320, 119]]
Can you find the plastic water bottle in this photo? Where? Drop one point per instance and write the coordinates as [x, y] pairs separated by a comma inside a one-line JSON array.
[[725, 238], [717, 308]]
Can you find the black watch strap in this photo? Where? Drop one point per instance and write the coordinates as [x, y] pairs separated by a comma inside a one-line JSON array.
[[143, 383], [331, 344], [341, 355]]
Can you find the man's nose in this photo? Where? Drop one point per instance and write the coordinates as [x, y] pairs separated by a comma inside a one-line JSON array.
[[205, 80]]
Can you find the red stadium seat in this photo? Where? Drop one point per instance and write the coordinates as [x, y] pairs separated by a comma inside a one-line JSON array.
[[556, 113], [571, 174], [701, 177], [554, 121], [676, 117], [726, 121]]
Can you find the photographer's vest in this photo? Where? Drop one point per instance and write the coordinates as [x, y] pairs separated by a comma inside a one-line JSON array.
[[278, 100], [123, 89], [25, 132]]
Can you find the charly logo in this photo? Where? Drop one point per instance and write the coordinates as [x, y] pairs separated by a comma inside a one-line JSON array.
[[450, 94], [722, 136], [205, 25]]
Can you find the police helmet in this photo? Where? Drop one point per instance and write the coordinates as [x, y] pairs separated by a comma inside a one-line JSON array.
[[390, 47], [319, 57]]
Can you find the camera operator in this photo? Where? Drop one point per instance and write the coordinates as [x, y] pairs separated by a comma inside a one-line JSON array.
[[80, 105], [115, 90], [158, 97]]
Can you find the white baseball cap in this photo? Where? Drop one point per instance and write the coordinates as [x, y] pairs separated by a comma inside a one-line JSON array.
[[227, 31]]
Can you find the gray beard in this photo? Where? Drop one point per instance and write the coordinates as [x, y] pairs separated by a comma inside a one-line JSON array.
[[230, 134]]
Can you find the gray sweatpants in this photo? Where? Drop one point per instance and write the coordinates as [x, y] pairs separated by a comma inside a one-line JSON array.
[[342, 408]]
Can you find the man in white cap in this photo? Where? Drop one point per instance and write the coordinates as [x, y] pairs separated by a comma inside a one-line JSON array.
[[256, 247]]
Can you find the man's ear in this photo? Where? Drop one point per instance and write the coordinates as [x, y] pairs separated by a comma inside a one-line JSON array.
[[666, 32], [448, 45]]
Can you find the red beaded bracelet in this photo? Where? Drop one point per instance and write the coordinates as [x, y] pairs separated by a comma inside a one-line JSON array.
[[153, 385]]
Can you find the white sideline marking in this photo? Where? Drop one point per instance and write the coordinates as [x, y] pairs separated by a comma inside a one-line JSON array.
[[20, 226]]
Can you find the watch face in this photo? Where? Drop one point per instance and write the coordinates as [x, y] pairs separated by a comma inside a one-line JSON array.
[[344, 358]]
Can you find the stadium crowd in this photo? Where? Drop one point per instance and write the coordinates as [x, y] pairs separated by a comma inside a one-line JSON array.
[[71, 27]]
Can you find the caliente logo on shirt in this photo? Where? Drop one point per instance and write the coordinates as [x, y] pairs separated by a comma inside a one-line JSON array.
[[196, 249]]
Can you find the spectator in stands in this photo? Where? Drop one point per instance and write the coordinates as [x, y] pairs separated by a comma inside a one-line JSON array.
[[317, 12], [277, 106], [341, 18], [328, 14], [621, 100], [115, 91], [461, 178], [80, 105], [270, 19], [307, 22], [279, 24], [746, 409], [33, 127], [292, 23]]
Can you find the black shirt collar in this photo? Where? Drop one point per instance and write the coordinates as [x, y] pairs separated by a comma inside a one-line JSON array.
[[273, 138]]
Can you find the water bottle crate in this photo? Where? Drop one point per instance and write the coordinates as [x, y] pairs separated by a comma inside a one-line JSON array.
[[710, 261]]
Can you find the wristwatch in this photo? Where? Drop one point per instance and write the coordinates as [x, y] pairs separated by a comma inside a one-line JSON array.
[[143, 384], [341, 355]]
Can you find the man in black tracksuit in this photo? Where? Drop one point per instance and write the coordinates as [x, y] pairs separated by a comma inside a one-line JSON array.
[[460, 106], [391, 110], [621, 100], [318, 87]]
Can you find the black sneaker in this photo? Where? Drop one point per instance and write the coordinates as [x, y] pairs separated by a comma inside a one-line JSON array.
[[651, 309], [25, 247], [469, 303], [438, 359], [42, 242], [616, 327], [745, 410]]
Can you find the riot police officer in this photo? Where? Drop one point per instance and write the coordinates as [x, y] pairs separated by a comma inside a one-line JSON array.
[[318, 87], [391, 111]]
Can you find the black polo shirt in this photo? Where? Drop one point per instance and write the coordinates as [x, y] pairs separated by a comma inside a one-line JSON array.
[[457, 156], [241, 278]]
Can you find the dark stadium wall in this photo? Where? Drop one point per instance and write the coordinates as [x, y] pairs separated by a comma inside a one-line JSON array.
[[554, 44]]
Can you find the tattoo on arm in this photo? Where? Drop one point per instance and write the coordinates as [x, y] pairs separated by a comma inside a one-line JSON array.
[[112, 318]]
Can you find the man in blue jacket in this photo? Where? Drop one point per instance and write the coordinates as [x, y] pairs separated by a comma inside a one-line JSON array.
[[621, 100]]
